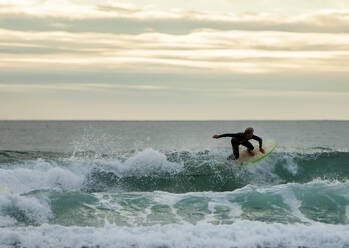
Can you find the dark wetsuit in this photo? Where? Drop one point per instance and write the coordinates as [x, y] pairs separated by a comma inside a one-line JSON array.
[[239, 139]]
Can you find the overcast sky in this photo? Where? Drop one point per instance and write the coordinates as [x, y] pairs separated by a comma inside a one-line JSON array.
[[174, 60]]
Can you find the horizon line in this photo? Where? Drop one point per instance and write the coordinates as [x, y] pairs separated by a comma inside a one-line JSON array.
[[174, 120]]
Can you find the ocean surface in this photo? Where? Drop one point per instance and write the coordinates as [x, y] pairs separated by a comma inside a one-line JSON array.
[[96, 184]]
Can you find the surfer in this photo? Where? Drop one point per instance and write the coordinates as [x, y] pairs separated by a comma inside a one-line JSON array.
[[241, 139]]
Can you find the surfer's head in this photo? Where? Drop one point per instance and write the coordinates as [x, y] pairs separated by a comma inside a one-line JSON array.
[[249, 132]]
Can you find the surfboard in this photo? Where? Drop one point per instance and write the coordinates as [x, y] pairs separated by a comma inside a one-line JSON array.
[[245, 158]]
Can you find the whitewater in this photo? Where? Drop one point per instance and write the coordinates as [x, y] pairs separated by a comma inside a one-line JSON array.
[[168, 184]]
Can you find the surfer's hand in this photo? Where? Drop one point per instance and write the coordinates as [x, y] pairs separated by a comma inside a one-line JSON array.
[[261, 150], [216, 136]]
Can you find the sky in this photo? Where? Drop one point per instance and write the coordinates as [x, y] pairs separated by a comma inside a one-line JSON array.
[[174, 60]]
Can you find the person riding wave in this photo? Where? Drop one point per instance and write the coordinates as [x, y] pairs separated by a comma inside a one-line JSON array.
[[241, 139]]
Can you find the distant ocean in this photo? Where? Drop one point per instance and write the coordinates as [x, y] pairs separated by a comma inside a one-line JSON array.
[[167, 184]]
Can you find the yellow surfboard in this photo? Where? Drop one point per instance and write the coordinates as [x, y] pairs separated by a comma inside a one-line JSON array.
[[245, 157]]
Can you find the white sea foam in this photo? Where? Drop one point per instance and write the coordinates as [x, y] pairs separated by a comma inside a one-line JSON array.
[[22, 180], [150, 161], [147, 162], [290, 165], [290, 199], [243, 234], [6, 221], [16, 208]]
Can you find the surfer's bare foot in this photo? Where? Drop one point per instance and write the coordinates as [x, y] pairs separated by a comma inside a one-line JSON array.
[[261, 150]]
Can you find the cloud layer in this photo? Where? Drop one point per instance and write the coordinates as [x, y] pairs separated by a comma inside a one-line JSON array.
[[140, 50]]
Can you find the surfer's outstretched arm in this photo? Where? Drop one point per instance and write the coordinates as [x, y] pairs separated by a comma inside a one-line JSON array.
[[216, 136], [258, 139]]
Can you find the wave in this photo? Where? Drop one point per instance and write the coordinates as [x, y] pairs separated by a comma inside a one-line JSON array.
[[315, 202], [149, 170]]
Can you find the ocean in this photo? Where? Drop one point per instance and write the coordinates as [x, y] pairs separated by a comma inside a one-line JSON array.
[[96, 184]]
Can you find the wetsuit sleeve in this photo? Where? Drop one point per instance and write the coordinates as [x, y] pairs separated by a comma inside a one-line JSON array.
[[235, 135], [258, 139]]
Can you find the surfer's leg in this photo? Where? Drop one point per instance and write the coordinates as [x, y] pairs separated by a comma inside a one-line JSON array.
[[235, 146], [249, 147]]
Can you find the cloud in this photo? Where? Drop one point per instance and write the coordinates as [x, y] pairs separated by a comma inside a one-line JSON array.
[[117, 9], [121, 18], [14, 87], [202, 50], [212, 91]]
